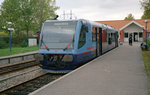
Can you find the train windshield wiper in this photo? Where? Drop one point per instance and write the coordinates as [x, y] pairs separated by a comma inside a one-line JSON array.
[[68, 46], [46, 46]]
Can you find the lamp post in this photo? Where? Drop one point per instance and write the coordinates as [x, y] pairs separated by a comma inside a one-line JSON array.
[[9, 29], [146, 22]]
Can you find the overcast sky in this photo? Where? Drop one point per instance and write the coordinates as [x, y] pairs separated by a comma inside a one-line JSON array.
[[100, 9]]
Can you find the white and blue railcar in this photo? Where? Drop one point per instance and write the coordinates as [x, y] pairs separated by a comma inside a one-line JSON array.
[[67, 44]]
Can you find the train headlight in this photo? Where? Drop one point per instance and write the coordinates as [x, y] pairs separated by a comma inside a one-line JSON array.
[[68, 58]]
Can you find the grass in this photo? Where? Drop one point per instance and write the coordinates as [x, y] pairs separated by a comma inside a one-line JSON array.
[[17, 50], [146, 57]]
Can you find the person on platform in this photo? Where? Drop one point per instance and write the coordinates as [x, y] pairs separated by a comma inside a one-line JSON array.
[[130, 40]]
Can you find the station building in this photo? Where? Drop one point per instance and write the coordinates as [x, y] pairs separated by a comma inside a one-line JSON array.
[[127, 28]]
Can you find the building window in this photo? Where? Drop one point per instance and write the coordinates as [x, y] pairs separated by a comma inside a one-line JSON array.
[[140, 34], [126, 35]]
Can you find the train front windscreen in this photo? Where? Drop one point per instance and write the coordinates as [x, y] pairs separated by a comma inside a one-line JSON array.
[[58, 34]]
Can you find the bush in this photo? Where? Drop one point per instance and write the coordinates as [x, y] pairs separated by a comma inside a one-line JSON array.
[[6, 39], [3, 43], [3, 34], [16, 41], [148, 43], [24, 43]]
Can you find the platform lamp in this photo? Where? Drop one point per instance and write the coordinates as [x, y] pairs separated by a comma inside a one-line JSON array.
[[9, 29], [146, 22]]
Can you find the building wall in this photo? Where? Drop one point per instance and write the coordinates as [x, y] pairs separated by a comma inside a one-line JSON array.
[[144, 35], [122, 36], [131, 29]]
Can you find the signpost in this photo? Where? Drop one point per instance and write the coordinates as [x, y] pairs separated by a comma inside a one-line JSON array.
[[9, 29], [146, 22]]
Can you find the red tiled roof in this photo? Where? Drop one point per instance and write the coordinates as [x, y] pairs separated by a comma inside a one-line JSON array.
[[118, 24]]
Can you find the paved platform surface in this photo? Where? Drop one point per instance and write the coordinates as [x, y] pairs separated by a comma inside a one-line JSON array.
[[118, 72]]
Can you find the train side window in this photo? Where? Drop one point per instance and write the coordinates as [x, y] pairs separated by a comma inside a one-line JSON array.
[[109, 39], [93, 34], [82, 37], [104, 36], [113, 37]]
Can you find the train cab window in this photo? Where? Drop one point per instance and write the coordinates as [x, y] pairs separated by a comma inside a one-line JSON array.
[[82, 37], [93, 34]]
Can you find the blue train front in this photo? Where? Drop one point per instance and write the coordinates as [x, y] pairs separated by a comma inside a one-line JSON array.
[[67, 44]]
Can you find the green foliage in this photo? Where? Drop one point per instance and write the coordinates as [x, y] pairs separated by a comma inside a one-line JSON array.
[[146, 6], [129, 17], [3, 43], [10, 12], [26, 15], [21, 41], [16, 50], [148, 43], [45, 10], [146, 58], [3, 34], [24, 43]]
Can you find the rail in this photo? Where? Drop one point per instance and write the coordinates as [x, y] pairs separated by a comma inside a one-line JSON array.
[[19, 68]]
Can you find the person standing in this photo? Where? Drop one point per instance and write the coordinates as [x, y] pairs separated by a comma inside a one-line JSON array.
[[130, 40]]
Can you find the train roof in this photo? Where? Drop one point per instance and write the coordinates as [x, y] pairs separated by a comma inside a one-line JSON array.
[[103, 26], [58, 20]]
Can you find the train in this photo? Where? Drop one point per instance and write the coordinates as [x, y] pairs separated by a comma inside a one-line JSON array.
[[68, 44]]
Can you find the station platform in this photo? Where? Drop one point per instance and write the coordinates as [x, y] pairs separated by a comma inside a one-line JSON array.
[[118, 72]]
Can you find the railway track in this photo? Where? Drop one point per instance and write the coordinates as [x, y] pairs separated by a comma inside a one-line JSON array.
[[23, 77], [15, 74], [17, 66], [32, 85]]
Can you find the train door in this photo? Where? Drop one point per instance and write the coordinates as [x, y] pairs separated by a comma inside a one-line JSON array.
[[116, 39], [98, 41]]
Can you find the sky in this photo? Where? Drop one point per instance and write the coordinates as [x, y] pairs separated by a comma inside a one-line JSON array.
[[99, 10]]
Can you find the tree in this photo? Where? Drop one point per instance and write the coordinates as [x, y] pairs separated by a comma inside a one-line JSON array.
[[129, 17], [146, 6], [44, 10], [27, 15], [10, 12], [35, 12]]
